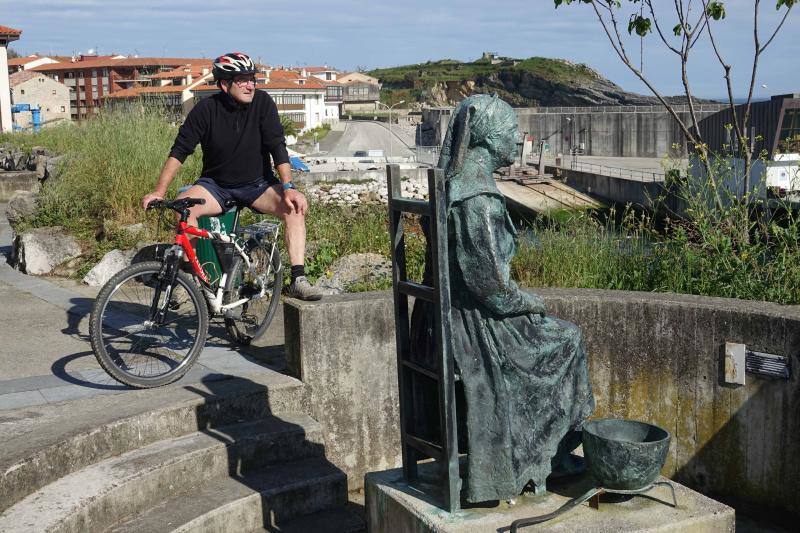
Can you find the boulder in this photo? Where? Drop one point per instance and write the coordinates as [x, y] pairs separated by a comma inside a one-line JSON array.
[[40, 250], [40, 162], [22, 204], [133, 229], [112, 262], [355, 268], [53, 167], [69, 268]]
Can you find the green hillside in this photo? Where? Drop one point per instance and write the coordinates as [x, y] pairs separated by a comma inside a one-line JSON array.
[[413, 82], [555, 70]]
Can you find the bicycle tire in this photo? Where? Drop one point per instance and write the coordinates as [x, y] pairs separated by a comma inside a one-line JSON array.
[[234, 288], [122, 303]]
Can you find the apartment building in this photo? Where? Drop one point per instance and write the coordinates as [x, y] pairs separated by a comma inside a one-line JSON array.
[[333, 89], [91, 79], [37, 90], [360, 92]]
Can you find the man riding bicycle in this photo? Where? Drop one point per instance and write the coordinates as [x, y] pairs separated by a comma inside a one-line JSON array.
[[240, 131]]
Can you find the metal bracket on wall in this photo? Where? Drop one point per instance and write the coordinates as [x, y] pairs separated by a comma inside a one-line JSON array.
[[739, 360]]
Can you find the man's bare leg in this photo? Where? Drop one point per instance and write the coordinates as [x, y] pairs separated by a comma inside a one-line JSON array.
[[210, 208], [271, 202]]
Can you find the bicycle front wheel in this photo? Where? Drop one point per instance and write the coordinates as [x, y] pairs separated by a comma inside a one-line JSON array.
[[132, 346], [250, 320]]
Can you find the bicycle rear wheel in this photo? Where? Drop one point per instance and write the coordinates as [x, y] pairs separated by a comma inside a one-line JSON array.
[[132, 347], [252, 318]]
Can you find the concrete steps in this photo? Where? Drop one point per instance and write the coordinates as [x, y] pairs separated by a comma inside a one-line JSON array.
[[99, 495], [339, 520], [248, 503], [42, 444]]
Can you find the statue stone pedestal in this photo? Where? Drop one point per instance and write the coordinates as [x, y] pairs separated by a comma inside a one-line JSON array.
[[392, 506]]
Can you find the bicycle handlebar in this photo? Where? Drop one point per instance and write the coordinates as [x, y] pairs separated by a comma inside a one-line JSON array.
[[175, 205]]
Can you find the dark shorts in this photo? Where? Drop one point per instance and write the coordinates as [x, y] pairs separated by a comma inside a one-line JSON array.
[[243, 194]]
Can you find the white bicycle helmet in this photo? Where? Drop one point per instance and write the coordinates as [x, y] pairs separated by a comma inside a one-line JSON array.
[[232, 64]]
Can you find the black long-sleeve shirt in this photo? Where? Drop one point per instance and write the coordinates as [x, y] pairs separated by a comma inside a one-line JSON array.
[[237, 140]]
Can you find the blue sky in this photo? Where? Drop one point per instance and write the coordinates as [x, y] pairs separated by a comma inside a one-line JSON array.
[[374, 33]]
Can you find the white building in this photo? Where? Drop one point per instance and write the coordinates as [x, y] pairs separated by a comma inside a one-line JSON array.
[[301, 99], [7, 35], [37, 90]]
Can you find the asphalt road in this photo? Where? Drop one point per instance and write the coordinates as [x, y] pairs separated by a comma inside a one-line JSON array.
[[364, 136]]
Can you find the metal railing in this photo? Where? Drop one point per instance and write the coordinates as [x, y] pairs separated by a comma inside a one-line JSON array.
[[427, 154], [624, 173]]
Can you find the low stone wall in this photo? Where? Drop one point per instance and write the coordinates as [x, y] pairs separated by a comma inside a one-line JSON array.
[[22, 180], [311, 178], [653, 357]]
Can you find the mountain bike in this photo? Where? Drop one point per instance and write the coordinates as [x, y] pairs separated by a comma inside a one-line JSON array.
[[149, 323]]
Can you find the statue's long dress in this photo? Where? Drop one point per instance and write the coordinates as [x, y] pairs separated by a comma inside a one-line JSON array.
[[525, 376]]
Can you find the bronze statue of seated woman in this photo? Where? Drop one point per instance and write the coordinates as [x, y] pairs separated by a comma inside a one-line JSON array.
[[525, 378]]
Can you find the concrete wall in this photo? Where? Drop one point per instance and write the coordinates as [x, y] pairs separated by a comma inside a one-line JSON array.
[[22, 180], [612, 131], [609, 189], [652, 357], [343, 351]]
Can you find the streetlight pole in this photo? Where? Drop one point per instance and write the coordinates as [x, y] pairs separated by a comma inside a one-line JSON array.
[[391, 139]]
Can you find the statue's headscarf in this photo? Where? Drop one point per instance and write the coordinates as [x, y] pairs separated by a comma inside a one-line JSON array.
[[477, 121]]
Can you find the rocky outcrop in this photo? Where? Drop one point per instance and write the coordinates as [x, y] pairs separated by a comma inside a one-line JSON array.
[[556, 83], [39, 251]]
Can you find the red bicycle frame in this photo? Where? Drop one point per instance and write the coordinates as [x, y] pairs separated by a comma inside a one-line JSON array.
[[183, 241]]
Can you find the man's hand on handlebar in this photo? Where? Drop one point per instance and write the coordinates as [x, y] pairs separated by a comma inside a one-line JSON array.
[[150, 197]]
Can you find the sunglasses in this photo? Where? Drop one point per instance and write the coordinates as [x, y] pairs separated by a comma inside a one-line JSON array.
[[244, 81]]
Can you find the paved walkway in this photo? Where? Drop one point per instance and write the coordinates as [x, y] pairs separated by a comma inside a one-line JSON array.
[[45, 355]]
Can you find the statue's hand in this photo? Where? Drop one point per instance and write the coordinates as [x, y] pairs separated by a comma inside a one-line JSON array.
[[536, 304]]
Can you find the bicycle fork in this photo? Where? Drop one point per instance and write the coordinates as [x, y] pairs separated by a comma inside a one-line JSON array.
[[165, 285]]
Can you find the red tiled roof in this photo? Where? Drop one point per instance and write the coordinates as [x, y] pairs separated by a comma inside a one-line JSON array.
[[22, 76], [11, 32], [284, 75], [19, 61], [182, 71], [124, 62], [138, 91], [317, 69]]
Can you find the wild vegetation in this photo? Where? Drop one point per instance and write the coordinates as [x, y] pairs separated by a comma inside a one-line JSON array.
[[114, 159]]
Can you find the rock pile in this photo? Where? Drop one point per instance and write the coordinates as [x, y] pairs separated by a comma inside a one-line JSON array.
[[38, 159], [370, 192], [354, 268]]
